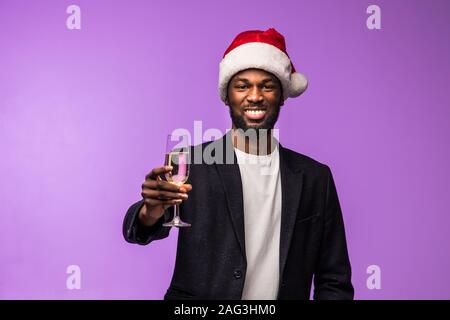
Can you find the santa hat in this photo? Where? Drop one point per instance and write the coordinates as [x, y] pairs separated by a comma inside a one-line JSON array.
[[264, 50]]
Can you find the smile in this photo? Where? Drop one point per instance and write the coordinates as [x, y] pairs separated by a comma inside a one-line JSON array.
[[255, 114]]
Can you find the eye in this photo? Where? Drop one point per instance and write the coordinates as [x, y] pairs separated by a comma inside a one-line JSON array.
[[241, 86], [269, 87]]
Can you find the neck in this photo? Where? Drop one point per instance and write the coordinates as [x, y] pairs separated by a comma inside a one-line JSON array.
[[257, 142]]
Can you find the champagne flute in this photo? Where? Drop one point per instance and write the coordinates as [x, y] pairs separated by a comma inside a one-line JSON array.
[[177, 156]]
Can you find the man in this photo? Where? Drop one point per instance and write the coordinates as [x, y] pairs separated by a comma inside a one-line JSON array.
[[264, 225]]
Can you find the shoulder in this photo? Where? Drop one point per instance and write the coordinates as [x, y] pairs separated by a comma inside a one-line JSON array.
[[199, 148], [305, 163]]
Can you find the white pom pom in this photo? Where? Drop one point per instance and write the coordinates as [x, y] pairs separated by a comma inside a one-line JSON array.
[[297, 85]]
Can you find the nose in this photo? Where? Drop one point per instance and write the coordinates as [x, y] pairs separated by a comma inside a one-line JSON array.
[[255, 96]]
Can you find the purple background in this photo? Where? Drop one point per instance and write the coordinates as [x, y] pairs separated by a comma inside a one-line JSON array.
[[84, 114]]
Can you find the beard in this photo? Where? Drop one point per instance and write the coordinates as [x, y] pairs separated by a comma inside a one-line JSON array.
[[267, 124]]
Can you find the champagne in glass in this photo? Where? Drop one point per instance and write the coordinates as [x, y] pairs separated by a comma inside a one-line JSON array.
[[177, 156], [180, 171]]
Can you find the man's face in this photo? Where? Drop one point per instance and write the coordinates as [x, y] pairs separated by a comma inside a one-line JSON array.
[[254, 98]]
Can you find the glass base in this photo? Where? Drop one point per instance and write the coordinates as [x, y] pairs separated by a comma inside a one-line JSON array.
[[176, 223]]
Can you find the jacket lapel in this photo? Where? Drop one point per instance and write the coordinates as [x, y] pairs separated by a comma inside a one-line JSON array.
[[291, 188], [232, 184]]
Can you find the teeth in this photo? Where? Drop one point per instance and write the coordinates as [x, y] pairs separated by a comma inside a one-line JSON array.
[[255, 112]]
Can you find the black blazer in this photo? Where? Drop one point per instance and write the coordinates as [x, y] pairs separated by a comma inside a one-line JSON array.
[[211, 259]]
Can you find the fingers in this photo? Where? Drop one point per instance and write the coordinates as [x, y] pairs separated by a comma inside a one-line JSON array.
[[157, 171], [160, 185], [185, 188], [153, 180], [162, 195], [149, 202], [159, 193]]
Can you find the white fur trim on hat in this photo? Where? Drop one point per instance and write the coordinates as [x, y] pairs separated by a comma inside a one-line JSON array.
[[298, 84], [263, 56]]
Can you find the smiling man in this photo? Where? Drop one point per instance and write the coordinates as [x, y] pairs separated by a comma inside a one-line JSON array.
[[265, 225]]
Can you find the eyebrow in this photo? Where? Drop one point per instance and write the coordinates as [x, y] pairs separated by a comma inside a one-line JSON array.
[[247, 81]]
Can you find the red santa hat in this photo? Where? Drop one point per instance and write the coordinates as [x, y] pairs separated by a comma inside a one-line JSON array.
[[264, 50]]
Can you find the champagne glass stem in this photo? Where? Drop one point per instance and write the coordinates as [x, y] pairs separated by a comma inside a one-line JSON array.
[[176, 209]]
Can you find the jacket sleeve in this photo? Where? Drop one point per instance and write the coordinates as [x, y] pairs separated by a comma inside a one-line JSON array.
[[135, 232], [332, 279]]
